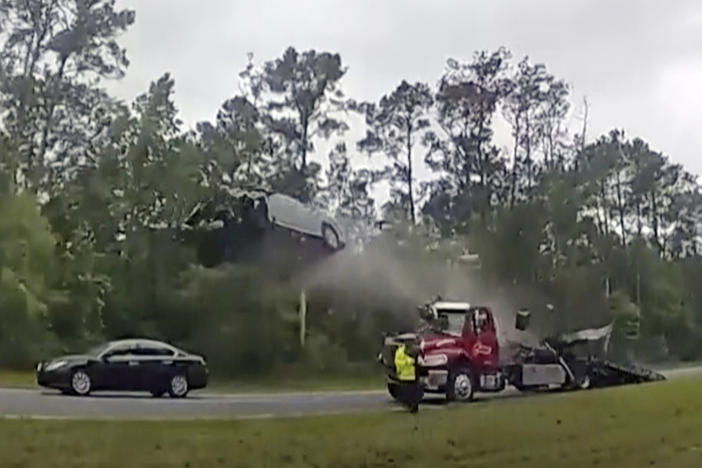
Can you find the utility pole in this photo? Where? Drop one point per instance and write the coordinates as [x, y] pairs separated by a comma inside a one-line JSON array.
[[303, 317], [608, 288], [585, 117]]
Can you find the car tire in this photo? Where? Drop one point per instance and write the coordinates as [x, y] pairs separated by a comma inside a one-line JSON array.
[[178, 386], [330, 237], [80, 382], [460, 385]]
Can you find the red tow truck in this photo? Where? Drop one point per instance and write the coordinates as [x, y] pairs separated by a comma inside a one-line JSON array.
[[460, 355]]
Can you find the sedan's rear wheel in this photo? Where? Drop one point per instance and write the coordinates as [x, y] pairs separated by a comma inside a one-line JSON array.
[[80, 382], [178, 387], [331, 237]]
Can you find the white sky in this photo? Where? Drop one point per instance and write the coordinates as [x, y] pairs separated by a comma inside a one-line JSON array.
[[639, 62]]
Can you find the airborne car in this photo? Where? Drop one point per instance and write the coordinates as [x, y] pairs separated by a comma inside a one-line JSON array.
[[126, 365], [289, 213], [259, 209], [236, 223]]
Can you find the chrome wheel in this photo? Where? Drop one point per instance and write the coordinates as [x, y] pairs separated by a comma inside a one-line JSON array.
[[80, 383], [179, 386], [463, 387]]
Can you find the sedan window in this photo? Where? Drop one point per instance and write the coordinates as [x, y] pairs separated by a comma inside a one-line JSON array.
[[98, 350], [121, 350], [153, 351]]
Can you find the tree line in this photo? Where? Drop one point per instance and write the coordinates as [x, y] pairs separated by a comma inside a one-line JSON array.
[[93, 190]]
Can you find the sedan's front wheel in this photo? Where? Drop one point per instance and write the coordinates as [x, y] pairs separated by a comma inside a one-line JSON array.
[[178, 387], [80, 382]]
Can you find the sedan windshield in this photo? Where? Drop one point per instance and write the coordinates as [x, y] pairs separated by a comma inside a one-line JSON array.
[[97, 350]]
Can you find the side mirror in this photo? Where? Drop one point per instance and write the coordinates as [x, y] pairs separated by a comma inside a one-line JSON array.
[[522, 319]]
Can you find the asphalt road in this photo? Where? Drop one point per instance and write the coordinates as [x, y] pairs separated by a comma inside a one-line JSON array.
[[46, 404]]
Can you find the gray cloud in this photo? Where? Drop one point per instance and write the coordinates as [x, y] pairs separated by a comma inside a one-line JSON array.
[[638, 62]]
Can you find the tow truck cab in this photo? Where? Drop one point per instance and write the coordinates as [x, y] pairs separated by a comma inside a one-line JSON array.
[[459, 337], [459, 350]]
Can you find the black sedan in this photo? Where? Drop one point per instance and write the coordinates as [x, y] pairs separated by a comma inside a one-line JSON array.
[[128, 365]]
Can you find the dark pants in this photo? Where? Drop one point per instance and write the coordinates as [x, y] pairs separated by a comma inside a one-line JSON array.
[[410, 394]]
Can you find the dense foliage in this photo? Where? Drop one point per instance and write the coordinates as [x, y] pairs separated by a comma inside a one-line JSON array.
[[95, 194]]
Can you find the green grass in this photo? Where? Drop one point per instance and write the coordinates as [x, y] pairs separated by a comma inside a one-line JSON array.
[[639, 426], [17, 379]]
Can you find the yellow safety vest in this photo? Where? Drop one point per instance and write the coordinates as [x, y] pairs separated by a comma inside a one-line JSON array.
[[404, 364]]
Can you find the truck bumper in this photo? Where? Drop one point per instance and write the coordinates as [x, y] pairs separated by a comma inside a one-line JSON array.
[[435, 380]]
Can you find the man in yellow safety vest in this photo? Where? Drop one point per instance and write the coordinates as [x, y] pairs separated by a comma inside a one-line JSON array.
[[405, 369]]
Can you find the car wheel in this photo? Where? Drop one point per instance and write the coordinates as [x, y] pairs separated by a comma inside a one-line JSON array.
[[460, 386], [80, 382], [178, 387], [330, 237]]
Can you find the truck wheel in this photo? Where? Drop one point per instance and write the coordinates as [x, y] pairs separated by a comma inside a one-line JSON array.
[[521, 387], [584, 383], [460, 386]]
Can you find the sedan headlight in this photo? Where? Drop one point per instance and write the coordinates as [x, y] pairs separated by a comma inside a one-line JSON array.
[[55, 365]]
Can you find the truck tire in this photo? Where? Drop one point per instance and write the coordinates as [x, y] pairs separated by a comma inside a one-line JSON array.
[[584, 383], [460, 385]]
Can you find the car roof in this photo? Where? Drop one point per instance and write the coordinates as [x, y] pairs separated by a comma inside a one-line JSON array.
[[140, 342]]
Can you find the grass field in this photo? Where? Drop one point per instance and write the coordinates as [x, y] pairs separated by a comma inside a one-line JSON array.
[[17, 379], [638, 426]]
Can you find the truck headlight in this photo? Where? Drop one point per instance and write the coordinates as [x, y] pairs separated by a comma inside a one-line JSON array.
[[434, 360], [55, 365]]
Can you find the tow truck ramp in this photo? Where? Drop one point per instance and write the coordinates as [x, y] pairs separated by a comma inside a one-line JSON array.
[[607, 373]]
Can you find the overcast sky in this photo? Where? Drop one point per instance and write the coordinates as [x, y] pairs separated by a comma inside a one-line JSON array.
[[639, 62]]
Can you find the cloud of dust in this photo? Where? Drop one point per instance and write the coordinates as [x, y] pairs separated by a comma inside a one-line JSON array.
[[381, 272]]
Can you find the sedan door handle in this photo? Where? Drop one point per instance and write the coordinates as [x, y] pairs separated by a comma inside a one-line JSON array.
[[133, 363]]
